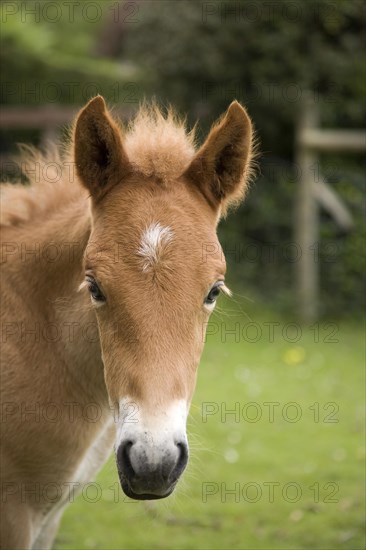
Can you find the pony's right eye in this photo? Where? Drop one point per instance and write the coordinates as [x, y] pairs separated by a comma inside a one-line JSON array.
[[95, 292]]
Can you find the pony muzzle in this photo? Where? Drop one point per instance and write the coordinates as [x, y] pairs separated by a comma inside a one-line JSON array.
[[143, 479], [151, 457]]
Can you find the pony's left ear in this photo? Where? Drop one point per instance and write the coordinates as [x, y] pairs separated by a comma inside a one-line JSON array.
[[221, 167], [100, 159]]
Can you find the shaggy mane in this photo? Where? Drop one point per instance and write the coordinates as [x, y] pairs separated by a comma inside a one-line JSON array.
[[159, 145], [156, 144]]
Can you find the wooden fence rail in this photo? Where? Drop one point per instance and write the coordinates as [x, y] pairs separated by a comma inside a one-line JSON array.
[[49, 119], [44, 117]]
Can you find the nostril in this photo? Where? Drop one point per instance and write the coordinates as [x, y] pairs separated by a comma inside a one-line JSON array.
[[182, 459], [123, 458]]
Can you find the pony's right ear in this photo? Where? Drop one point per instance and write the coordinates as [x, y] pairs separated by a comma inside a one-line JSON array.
[[101, 161]]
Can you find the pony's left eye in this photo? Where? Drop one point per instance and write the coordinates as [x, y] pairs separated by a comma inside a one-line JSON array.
[[213, 294], [95, 292]]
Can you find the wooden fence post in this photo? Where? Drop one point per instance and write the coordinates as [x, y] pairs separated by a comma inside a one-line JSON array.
[[306, 217]]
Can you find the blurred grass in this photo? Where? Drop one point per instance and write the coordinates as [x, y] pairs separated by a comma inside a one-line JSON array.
[[325, 366]]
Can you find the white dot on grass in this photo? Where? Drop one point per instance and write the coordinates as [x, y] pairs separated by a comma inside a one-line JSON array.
[[231, 455], [296, 515], [339, 454], [242, 375], [234, 437], [253, 389], [309, 467]]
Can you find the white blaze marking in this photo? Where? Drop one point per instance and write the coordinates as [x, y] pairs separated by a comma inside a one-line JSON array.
[[153, 241]]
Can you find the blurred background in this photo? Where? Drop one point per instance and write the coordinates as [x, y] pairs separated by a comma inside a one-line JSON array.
[[295, 249]]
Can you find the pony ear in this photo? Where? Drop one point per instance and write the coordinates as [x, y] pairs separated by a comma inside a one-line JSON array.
[[221, 167], [101, 161]]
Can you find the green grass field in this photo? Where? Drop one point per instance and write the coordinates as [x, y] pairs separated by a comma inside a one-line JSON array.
[[284, 470]]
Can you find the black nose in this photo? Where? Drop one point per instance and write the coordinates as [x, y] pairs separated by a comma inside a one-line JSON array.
[[148, 472]]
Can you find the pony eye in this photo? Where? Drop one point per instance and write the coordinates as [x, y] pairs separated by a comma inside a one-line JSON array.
[[95, 292], [214, 293]]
